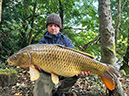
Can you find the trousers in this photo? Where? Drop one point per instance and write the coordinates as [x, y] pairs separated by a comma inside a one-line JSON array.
[[44, 85]]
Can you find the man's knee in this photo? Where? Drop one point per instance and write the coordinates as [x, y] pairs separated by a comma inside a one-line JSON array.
[[43, 86], [66, 85]]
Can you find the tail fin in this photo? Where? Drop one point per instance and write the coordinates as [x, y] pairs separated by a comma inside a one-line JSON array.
[[109, 77]]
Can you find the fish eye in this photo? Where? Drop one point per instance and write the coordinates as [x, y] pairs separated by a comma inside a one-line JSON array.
[[14, 57]]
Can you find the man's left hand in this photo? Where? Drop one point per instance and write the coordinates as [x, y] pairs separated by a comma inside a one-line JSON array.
[[84, 73]]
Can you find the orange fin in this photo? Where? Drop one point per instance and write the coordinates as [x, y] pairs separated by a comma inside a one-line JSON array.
[[55, 78], [34, 74], [109, 76], [108, 81]]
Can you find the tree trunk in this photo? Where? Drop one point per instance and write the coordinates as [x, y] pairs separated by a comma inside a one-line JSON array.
[[118, 20], [107, 33], [32, 24], [61, 14], [107, 36], [0, 9]]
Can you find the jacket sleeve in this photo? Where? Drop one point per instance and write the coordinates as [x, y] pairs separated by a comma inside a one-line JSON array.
[[68, 43]]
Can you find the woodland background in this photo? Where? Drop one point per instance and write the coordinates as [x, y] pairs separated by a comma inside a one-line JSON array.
[[24, 22]]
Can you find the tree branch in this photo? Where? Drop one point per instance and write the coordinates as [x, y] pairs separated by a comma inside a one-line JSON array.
[[118, 20], [32, 24], [91, 42], [0, 9], [123, 5], [61, 13], [75, 28]]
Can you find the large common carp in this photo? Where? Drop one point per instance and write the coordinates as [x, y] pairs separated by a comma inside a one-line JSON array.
[[64, 61]]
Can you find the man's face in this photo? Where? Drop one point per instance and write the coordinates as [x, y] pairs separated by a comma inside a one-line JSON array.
[[53, 29]]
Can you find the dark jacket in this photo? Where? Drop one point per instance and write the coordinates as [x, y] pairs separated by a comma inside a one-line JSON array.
[[56, 39]]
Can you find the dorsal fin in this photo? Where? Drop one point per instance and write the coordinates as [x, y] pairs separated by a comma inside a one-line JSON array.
[[86, 54]]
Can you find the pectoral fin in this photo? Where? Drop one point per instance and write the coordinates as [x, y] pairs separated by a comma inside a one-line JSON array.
[[34, 74], [55, 78]]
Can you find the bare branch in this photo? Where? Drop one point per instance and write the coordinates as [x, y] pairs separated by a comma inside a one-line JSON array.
[[0, 9], [32, 24], [91, 42], [123, 5], [61, 13], [75, 28], [118, 20]]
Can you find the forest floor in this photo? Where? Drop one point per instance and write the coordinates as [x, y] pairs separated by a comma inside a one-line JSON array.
[[85, 86]]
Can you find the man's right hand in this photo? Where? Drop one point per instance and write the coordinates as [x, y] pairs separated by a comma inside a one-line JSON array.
[[38, 68]]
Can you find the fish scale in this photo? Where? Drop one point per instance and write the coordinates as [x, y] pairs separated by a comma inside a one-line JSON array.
[[67, 60], [64, 61]]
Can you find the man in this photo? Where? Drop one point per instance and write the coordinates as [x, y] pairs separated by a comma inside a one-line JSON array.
[[44, 85]]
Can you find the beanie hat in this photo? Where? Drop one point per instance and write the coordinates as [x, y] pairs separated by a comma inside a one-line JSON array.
[[54, 19]]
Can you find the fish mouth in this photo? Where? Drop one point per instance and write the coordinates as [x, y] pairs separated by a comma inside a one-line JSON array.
[[9, 63]]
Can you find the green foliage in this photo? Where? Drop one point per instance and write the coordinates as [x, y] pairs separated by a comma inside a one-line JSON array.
[[123, 72], [83, 37], [17, 19], [123, 30], [2, 64], [7, 71], [12, 38]]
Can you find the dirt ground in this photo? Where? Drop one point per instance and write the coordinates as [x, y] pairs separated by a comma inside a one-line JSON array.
[[85, 86]]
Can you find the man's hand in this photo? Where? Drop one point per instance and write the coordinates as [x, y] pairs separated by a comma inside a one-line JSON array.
[[38, 68], [84, 73]]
